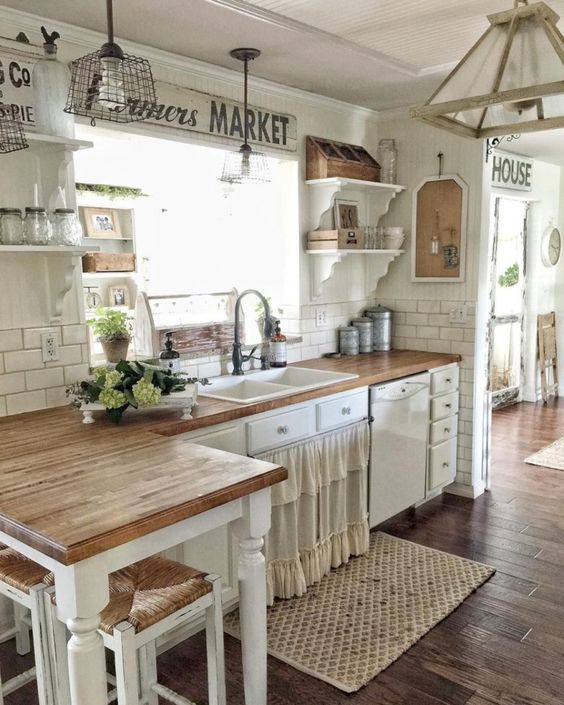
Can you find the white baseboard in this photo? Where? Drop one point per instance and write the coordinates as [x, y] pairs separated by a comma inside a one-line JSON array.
[[471, 491]]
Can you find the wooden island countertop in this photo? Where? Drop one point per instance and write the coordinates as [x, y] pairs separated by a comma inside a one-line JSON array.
[[50, 461]]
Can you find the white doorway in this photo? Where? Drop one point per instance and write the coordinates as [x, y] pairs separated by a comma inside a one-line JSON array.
[[507, 298]]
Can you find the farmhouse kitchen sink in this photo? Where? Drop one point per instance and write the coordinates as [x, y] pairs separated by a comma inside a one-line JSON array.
[[270, 384]]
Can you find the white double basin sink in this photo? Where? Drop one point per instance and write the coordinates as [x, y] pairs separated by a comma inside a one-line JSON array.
[[261, 385]]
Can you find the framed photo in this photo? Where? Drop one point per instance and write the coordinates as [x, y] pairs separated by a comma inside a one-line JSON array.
[[346, 214], [102, 223], [119, 295]]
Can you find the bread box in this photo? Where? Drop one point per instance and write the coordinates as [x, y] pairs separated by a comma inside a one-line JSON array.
[[327, 158], [108, 262]]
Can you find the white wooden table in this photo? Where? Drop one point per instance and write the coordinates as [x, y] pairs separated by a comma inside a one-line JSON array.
[[87, 518]]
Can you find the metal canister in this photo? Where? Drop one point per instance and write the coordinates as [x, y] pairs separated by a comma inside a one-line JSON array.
[[348, 340], [382, 332], [365, 328]]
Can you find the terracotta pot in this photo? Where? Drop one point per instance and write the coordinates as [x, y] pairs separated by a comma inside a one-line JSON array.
[[115, 349]]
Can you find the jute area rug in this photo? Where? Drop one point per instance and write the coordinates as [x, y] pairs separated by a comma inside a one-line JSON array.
[[551, 456], [364, 615]]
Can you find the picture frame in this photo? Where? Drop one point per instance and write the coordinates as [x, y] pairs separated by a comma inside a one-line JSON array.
[[345, 214], [119, 295], [102, 223], [440, 216]]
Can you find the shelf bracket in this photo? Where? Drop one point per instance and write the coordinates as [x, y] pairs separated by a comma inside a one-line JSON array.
[[59, 278], [322, 270]]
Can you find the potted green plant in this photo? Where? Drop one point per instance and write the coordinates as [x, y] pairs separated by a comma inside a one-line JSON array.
[[113, 330]]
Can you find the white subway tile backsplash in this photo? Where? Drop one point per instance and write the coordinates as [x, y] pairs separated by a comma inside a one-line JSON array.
[[23, 360], [416, 344], [416, 319], [12, 383], [1, 364], [427, 332], [27, 401], [32, 336], [68, 355], [3, 409], [438, 319], [405, 331], [11, 339], [76, 373], [429, 306], [439, 346], [73, 335], [41, 379], [209, 369], [56, 396], [451, 334]]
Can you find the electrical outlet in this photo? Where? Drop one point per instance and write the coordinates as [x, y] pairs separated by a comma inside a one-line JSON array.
[[321, 317], [458, 314], [49, 347]]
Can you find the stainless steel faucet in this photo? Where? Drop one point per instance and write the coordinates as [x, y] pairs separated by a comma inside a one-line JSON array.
[[238, 357]]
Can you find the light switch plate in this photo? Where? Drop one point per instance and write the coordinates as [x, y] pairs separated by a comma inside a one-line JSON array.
[[458, 314]]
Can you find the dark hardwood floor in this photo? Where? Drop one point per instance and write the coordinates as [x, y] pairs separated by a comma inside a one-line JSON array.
[[503, 646]]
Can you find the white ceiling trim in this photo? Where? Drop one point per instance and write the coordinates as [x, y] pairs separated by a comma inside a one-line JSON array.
[[89, 39], [273, 18]]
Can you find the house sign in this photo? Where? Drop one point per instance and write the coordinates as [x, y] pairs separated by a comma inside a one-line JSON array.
[[512, 171]]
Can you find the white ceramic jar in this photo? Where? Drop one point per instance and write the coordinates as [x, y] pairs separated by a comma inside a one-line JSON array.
[[51, 80]]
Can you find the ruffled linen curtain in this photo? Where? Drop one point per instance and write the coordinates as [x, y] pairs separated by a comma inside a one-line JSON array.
[[319, 514]]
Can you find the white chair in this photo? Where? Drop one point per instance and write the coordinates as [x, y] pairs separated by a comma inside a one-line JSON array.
[[21, 580], [147, 600]]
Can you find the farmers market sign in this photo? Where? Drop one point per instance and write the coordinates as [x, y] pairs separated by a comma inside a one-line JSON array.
[[193, 111]]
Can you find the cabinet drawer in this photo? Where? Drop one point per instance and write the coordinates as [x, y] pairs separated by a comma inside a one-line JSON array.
[[442, 464], [443, 430], [342, 411], [281, 429], [444, 381], [444, 406]]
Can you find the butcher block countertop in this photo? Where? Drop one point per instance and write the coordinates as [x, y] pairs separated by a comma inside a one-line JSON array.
[[65, 487]]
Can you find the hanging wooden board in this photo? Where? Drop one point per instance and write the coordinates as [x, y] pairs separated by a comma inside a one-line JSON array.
[[439, 230]]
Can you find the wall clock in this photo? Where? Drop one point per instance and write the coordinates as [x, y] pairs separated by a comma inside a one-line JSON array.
[[551, 247]]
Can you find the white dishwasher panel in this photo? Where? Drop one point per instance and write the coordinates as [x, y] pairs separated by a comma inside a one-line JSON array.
[[398, 450]]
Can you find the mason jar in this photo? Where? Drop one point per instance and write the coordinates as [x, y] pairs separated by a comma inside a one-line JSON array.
[[11, 226], [65, 229], [36, 226]]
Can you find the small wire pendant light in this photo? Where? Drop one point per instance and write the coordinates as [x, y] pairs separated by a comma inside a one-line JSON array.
[[245, 166], [12, 135], [111, 85]]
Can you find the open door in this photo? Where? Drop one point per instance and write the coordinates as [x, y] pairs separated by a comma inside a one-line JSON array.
[[508, 277]]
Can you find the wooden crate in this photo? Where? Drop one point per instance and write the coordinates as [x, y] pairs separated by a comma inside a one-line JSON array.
[[108, 262], [327, 158], [336, 239]]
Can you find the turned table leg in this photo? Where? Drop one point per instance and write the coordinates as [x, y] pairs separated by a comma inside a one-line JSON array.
[[250, 529]]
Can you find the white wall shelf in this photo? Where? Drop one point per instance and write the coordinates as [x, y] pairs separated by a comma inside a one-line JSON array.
[[39, 140], [106, 275], [373, 199], [376, 262], [56, 265]]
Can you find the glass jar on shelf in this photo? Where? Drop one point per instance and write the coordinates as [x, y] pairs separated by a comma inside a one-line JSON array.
[[36, 226], [11, 226], [65, 227], [388, 158]]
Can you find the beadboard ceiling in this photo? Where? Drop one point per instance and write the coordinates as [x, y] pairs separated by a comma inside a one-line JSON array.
[[378, 54]]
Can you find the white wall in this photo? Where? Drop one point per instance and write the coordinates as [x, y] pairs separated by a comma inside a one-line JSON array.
[[559, 291]]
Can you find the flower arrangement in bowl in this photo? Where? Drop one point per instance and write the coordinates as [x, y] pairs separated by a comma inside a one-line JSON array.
[[136, 384], [113, 329]]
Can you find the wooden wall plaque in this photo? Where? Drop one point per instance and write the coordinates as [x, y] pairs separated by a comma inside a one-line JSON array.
[[439, 229]]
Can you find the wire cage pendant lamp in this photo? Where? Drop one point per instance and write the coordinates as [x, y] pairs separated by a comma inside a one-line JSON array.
[[109, 84], [511, 81], [12, 135], [245, 166]]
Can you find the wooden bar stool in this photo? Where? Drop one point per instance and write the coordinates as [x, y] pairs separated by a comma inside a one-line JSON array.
[[148, 599], [21, 580]]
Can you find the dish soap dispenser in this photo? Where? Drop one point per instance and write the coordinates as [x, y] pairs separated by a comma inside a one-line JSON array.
[[278, 351], [169, 358]]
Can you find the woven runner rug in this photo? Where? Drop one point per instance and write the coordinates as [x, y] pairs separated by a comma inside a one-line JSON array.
[[551, 456], [364, 615]]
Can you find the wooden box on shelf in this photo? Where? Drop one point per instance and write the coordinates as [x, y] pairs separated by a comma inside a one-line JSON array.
[[327, 158], [108, 262], [343, 239]]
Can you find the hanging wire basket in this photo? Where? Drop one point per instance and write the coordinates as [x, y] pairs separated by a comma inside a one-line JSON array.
[[12, 135], [132, 90]]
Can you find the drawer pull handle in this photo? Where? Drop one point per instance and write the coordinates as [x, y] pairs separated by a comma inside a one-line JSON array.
[[283, 430], [448, 380], [346, 411], [448, 406], [447, 429], [445, 465]]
